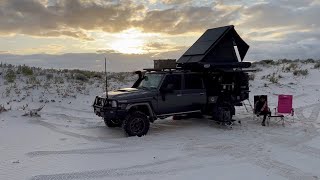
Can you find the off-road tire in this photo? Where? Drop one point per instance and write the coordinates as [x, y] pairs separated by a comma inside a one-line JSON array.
[[110, 123], [224, 114], [136, 124]]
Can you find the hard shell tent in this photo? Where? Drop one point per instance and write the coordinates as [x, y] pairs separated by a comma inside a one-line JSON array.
[[216, 47]]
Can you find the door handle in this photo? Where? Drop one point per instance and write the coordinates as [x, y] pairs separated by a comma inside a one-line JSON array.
[[179, 95], [201, 94]]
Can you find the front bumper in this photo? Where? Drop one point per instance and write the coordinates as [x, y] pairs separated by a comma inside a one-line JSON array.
[[103, 109]]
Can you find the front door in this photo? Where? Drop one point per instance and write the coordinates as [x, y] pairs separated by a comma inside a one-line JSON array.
[[171, 101]]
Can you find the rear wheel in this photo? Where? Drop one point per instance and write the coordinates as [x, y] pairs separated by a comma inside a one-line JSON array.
[[222, 114], [136, 124], [112, 123]]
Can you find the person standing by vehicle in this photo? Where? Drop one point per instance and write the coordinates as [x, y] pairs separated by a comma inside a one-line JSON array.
[[261, 108]]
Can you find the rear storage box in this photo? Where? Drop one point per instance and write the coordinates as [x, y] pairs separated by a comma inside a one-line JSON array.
[[164, 63]]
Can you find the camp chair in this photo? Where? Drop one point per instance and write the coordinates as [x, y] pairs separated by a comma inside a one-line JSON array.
[[283, 110]]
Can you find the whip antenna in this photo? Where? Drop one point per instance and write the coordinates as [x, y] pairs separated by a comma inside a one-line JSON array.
[[105, 71]]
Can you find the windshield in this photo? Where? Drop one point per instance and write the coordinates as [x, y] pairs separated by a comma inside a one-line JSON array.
[[151, 81]]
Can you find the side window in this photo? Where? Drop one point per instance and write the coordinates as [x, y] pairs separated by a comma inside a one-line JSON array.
[[174, 79], [193, 81]]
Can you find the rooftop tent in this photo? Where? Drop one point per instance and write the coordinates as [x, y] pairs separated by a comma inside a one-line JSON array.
[[216, 47]]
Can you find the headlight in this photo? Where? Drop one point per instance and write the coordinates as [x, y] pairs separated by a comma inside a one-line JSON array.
[[114, 104]]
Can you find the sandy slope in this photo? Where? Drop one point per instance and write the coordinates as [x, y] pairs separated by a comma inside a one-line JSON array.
[[69, 142]]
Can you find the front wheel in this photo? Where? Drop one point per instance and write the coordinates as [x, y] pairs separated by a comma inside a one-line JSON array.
[[136, 124]]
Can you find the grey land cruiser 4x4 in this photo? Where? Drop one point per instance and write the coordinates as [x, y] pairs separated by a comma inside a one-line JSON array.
[[160, 94]]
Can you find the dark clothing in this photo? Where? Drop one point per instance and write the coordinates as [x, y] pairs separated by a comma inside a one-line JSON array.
[[261, 108], [259, 105], [265, 114]]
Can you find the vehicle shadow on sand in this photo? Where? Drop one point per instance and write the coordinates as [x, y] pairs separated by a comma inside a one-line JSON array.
[[82, 129]]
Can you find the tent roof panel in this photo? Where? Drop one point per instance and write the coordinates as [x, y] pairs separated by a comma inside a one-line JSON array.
[[211, 47]]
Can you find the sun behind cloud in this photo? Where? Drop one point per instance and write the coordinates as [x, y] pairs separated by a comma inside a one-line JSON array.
[[129, 42]]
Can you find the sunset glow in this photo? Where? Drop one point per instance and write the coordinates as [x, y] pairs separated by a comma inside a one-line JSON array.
[[129, 42]]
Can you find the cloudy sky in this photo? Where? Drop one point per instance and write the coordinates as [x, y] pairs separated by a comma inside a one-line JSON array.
[[79, 33]]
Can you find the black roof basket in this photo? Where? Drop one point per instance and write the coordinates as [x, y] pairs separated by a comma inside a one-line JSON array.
[[216, 49]]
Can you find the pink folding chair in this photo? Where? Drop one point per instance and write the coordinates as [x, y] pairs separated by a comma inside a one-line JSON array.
[[284, 109]]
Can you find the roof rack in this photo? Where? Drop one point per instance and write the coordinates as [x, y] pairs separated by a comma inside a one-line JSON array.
[[164, 69], [152, 69]]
